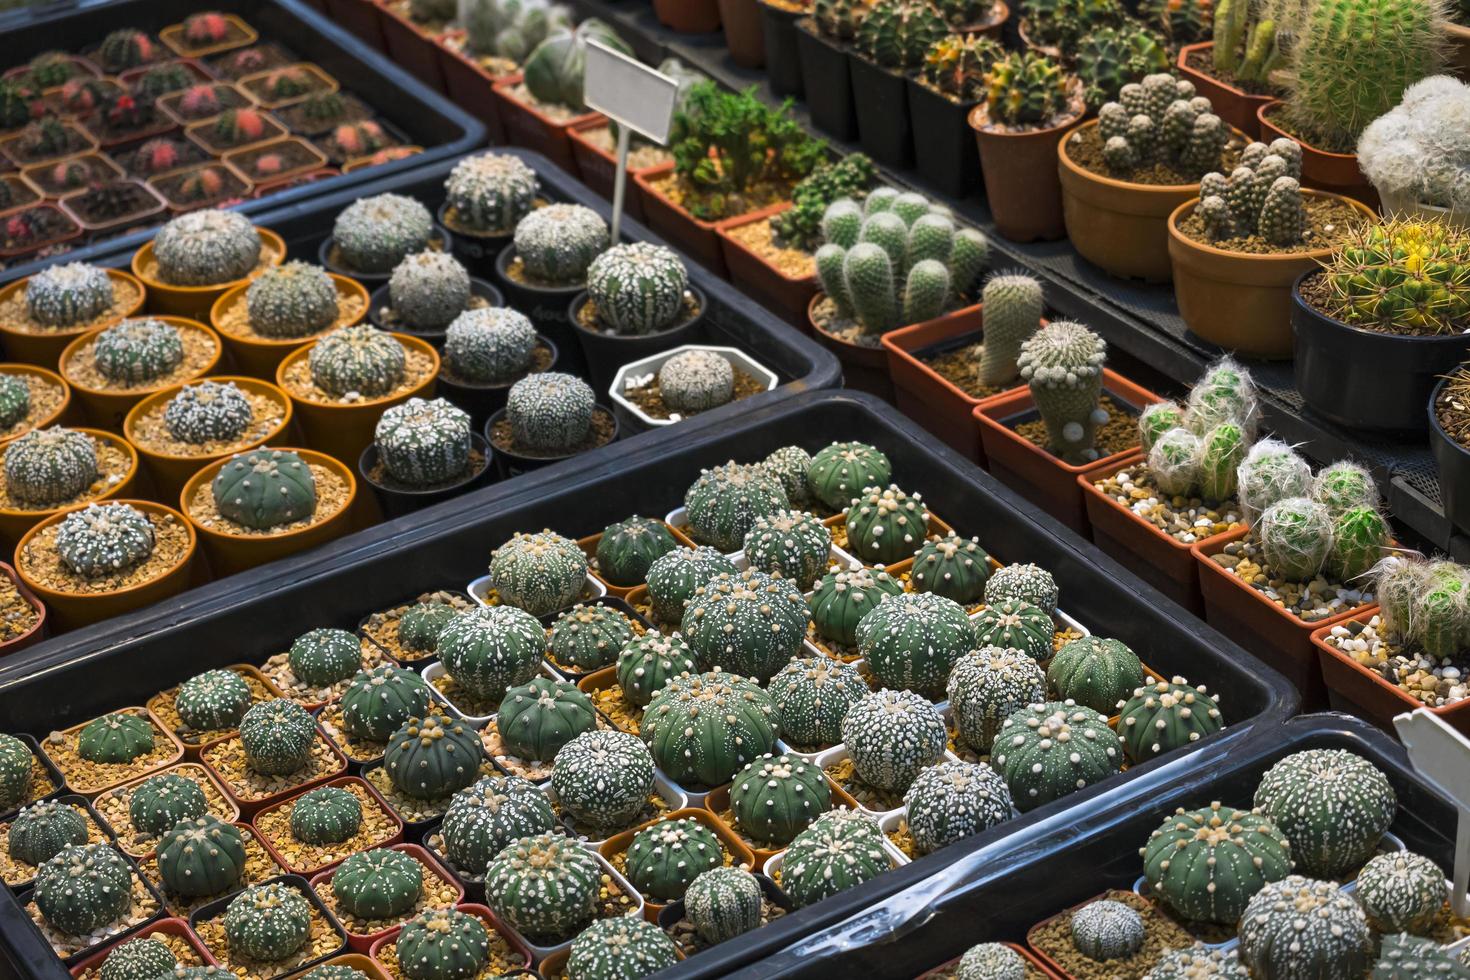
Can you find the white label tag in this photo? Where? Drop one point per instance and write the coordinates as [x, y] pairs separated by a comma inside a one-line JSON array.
[[625, 89], [1442, 756]]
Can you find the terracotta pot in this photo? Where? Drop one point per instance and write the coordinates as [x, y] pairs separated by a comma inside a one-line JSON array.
[[345, 430], [864, 368], [1031, 470], [36, 633], [925, 395], [44, 349], [589, 548], [108, 409], [260, 356], [744, 34], [241, 35], [14, 522], [1240, 301], [492, 924], [71, 610], [1322, 169], [527, 126], [688, 16], [1025, 201], [361, 943], [230, 553], [170, 472], [1234, 105], [690, 235], [471, 87], [163, 927], [599, 169], [738, 849], [1459, 36], [410, 48], [195, 301], [772, 287], [57, 415]]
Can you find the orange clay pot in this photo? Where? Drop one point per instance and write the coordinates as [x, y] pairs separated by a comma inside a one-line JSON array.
[[259, 356], [108, 409]]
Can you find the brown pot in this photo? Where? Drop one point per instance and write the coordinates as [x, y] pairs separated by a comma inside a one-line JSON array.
[[925, 395], [740, 852], [57, 415], [1025, 201], [470, 86], [36, 633], [599, 168], [260, 356], [1459, 36], [361, 962], [993, 28], [1234, 105], [690, 235], [71, 610], [527, 126], [410, 48], [688, 16], [718, 801], [589, 548], [170, 472], [361, 943], [194, 301], [178, 928], [1322, 169], [287, 858], [44, 349], [864, 368], [1237, 300], [107, 409], [772, 287], [1031, 470], [744, 34]]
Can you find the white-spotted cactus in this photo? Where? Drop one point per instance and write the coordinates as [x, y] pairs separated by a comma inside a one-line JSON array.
[[423, 443], [357, 362], [1299, 927], [638, 289], [292, 300], [557, 244], [489, 346], [427, 290], [206, 248], [1063, 365], [550, 412], [65, 295], [488, 193], [696, 381], [374, 234]]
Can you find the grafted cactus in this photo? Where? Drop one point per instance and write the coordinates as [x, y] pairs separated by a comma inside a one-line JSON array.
[[1063, 364]]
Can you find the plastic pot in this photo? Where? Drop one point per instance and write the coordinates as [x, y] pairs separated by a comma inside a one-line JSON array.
[[195, 302], [1452, 460], [44, 349], [341, 782], [163, 927], [744, 32], [492, 924], [884, 128], [527, 126], [1031, 470], [438, 238], [37, 632], [410, 48], [633, 419], [606, 352], [1238, 300], [195, 743], [106, 408], [15, 522], [547, 308], [783, 61], [216, 909], [945, 153], [368, 967], [693, 236], [774, 288], [739, 851], [229, 552], [361, 943], [397, 499], [509, 463], [1366, 379], [688, 16], [482, 400], [827, 81], [260, 356], [476, 252], [599, 168], [1025, 202], [470, 86], [50, 377], [382, 299], [1234, 105], [1033, 965], [170, 472], [1336, 172]]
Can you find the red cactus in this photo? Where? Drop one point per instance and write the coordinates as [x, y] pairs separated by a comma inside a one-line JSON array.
[[70, 174], [359, 139], [20, 229], [156, 156], [80, 95], [201, 185], [269, 164], [199, 101], [210, 27], [249, 61]]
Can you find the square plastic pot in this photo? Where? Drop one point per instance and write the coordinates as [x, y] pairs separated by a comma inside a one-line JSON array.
[[693, 236], [490, 919], [827, 81], [527, 126], [633, 419], [885, 131], [740, 853], [362, 943], [775, 288], [215, 910], [1234, 105], [163, 927], [782, 56], [945, 154]]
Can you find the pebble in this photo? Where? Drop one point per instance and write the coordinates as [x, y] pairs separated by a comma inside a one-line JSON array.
[[1415, 673], [1310, 601], [1185, 520]]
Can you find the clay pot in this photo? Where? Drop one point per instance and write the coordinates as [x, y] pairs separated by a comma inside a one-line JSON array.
[[527, 126], [36, 633], [260, 356], [744, 34], [107, 408], [1322, 169], [688, 16], [56, 415], [1025, 200], [195, 301], [1234, 105], [693, 236], [44, 349], [775, 289], [15, 522]]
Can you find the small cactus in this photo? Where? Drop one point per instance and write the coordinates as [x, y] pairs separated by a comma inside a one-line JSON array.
[[124, 49], [953, 800], [357, 362], [323, 657], [1296, 538], [1271, 472], [1262, 197], [675, 577], [326, 815], [491, 346], [486, 816], [1224, 393], [1206, 864], [1012, 305], [161, 801], [812, 695], [43, 830], [208, 412], [490, 193], [841, 599], [951, 566], [47, 467], [1162, 716], [374, 234], [587, 638], [212, 700], [431, 757], [1024, 583], [1063, 365], [558, 243], [891, 736], [986, 687], [991, 961], [792, 544], [621, 946], [724, 503], [627, 549], [423, 443], [277, 737], [538, 718], [443, 943], [115, 738], [603, 777], [490, 650], [662, 860], [1047, 750], [206, 248], [378, 884], [539, 573], [886, 525], [84, 888], [911, 641], [545, 887], [268, 922], [550, 412], [381, 700], [843, 470], [1095, 672], [137, 352], [1402, 892], [291, 301], [104, 539], [647, 663], [840, 850], [16, 762], [265, 488], [1334, 807], [138, 959], [1359, 537], [1343, 486], [1107, 930], [1160, 120], [696, 381], [62, 296], [638, 289], [776, 797], [703, 728], [789, 464], [1298, 927], [723, 903], [427, 290]]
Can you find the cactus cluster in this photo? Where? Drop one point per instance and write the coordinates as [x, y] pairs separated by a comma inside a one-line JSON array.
[[987, 686], [539, 573], [898, 34], [206, 248], [1027, 90], [1416, 153], [638, 289], [664, 859], [508, 29], [1063, 365], [1333, 805], [431, 757], [489, 346], [724, 503], [558, 243], [47, 467], [137, 352], [603, 777], [357, 362], [891, 736], [1047, 750], [1206, 864], [104, 539], [1062, 24], [550, 412], [627, 549], [991, 961], [208, 412], [374, 234], [1261, 197], [1161, 121], [801, 225], [488, 815], [265, 488], [702, 728], [423, 443], [64, 295], [696, 381], [673, 578], [587, 638], [1302, 537]]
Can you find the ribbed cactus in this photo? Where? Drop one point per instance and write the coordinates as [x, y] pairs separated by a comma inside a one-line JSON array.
[[723, 903], [725, 501], [1110, 58], [1063, 365], [490, 192], [840, 472], [208, 412], [619, 947], [206, 248], [696, 381], [649, 662], [588, 637], [1029, 90], [265, 488], [955, 65], [673, 579], [139, 959], [104, 539], [1271, 472], [1332, 804], [1048, 750], [841, 599], [161, 801], [750, 623], [910, 641], [137, 352], [42, 830], [989, 685], [431, 757], [427, 290], [380, 700], [1023, 582], [423, 443], [268, 922], [325, 815], [603, 777], [1438, 610], [1012, 305], [1094, 671], [776, 797], [954, 800], [324, 656], [64, 295], [1161, 121], [492, 345], [556, 244], [539, 573], [1299, 927], [374, 234], [841, 850], [1399, 275], [378, 884], [84, 888], [486, 816], [539, 717], [1165, 715], [663, 859], [487, 651], [15, 772], [550, 412], [897, 34], [627, 549], [277, 737], [1343, 486], [47, 467], [891, 736], [1402, 892], [360, 361], [1107, 930], [201, 856], [702, 728], [1262, 197], [839, 19], [1206, 864], [639, 288], [546, 887]]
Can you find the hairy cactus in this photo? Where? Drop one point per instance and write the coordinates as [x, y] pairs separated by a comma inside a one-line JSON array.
[[673, 579], [357, 362], [1344, 486], [161, 801], [1095, 672], [558, 243], [206, 248], [1107, 930], [1206, 864], [104, 539], [490, 346], [638, 289], [588, 637], [427, 290], [431, 757], [723, 903], [1162, 716], [886, 525], [47, 467], [621, 946], [1261, 197], [1334, 807], [265, 488], [378, 884], [1012, 304], [1024, 89], [953, 800], [1271, 472], [545, 887], [1296, 537], [840, 850], [1298, 927], [268, 922], [1048, 750], [277, 737], [208, 412], [986, 687], [603, 777], [662, 860], [62, 296], [702, 728], [84, 888], [381, 700], [486, 816], [423, 443], [1359, 537], [137, 352], [891, 736], [550, 412], [696, 381], [374, 234], [1063, 365]]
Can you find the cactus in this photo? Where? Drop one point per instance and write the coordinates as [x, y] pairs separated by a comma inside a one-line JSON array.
[[378, 884], [989, 685], [953, 800], [603, 777], [898, 34], [1198, 961], [911, 641], [638, 289], [663, 859], [1029, 90], [587, 638], [991, 961], [842, 598], [648, 662], [427, 290], [43, 830], [628, 548], [1063, 365], [776, 797], [955, 66], [554, 71], [431, 757], [812, 694], [15, 772], [357, 362], [558, 243], [538, 718], [539, 573], [104, 539], [791, 544], [322, 657], [625, 946], [206, 248], [84, 888], [206, 28], [421, 624], [374, 234], [115, 739], [886, 525], [1439, 609], [1359, 537], [1401, 585], [789, 464], [1271, 472], [47, 467], [1402, 892], [62, 296], [545, 887], [159, 81], [1334, 807], [1165, 715], [208, 412], [487, 651], [265, 488], [510, 29], [1220, 454], [841, 471], [138, 959], [1401, 275], [1160, 121], [443, 944], [161, 801], [50, 69], [16, 100], [724, 503], [749, 623], [291, 301], [1017, 625], [1048, 750], [1111, 57], [1297, 927], [800, 226], [489, 346], [840, 850], [201, 856], [702, 728], [424, 443], [328, 815], [137, 352], [1410, 957], [1261, 197], [952, 567], [1025, 583], [380, 700], [723, 903], [696, 381], [1107, 930], [124, 49], [268, 922], [891, 736], [550, 412], [1296, 538], [1206, 864], [1095, 672], [839, 19], [277, 737], [1012, 304], [673, 579], [488, 815], [1344, 486], [489, 193]]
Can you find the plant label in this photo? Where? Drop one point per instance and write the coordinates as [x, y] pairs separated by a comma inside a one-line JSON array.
[[634, 96], [1442, 755]]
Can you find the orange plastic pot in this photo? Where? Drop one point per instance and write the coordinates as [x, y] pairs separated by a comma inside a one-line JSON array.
[[170, 472], [260, 356], [37, 632], [1322, 169], [164, 927], [229, 553], [745, 36], [1240, 301], [363, 964], [740, 852], [71, 610], [688, 16], [44, 349], [1034, 472], [51, 377], [599, 168], [108, 409], [864, 368], [195, 301], [1234, 105], [345, 430], [925, 395], [691, 235], [1032, 964], [775, 289], [1017, 167], [361, 943], [718, 801], [527, 126], [15, 522], [1364, 692], [589, 548]]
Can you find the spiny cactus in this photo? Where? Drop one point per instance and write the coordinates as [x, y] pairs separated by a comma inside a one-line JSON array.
[[43, 830], [47, 467], [801, 226], [1107, 930], [374, 234], [696, 381], [588, 637], [424, 443], [1333, 805], [954, 800], [550, 412], [891, 736], [662, 860], [840, 850], [431, 757], [1161, 121], [161, 801], [1401, 275], [955, 65], [723, 903], [208, 412], [986, 687], [326, 815], [265, 488], [126, 48], [492, 345], [1359, 537], [1261, 197], [897, 34], [65, 295], [1206, 864], [378, 884], [603, 777], [1402, 892], [104, 539], [382, 699], [84, 888], [1028, 90], [277, 737], [206, 248], [1048, 750], [839, 19], [638, 288], [268, 922], [1296, 538], [1012, 305], [1094, 671], [1165, 715], [724, 503], [1110, 58], [357, 362], [1063, 365], [621, 946], [1301, 927], [202, 856], [1271, 472], [702, 728], [137, 352], [558, 243], [486, 816], [427, 290]]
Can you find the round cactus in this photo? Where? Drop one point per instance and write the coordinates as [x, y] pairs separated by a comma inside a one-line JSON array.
[[627, 549], [15, 400], [1225, 393], [265, 488], [1297, 927], [841, 471], [724, 503], [545, 887], [703, 728], [638, 289], [648, 662], [488, 193], [537, 718], [486, 651], [1359, 537], [322, 657], [424, 443], [791, 543], [84, 888], [139, 959], [378, 884], [443, 944], [789, 464], [268, 922], [696, 381], [675, 577], [137, 352], [42, 830], [723, 903], [662, 860], [69, 294], [206, 248], [126, 48], [15, 772], [419, 627], [1107, 930], [953, 800], [1199, 961], [1165, 715], [812, 695], [603, 777], [277, 737], [208, 412], [952, 567], [486, 816], [433, 756], [1333, 805], [1048, 750], [104, 539], [840, 850], [328, 815], [1296, 538], [1174, 463], [1096, 672], [1026, 583], [427, 290], [886, 525], [47, 467], [842, 598], [1271, 471], [989, 685], [749, 623], [1207, 864], [380, 700], [115, 738], [911, 641], [1402, 892], [357, 362], [776, 797], [550, 412], [586, 638], [291, 301], [557, 244], [620, 947], [161, 801], [539, 573], [202, 856], [492, 345], [891, 736], [374, 234], [1343, 486]]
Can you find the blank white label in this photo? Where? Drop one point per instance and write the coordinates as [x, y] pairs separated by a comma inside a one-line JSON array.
[[627, 90]]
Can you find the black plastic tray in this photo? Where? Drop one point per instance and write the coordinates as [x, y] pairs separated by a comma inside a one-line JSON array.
[[427, 118], [82, 674]]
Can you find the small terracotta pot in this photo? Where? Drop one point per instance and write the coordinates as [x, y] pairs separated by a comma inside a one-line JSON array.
[[340, 782], [360, 944], [864, 368], [171, 472], [774, 288], [345, 430], [230, 553], [14, 523], [1025, 201], [195, 301], [1034, 472], [599, 168], [1322, 169], [44, 349], [56, 415], [744, 33], [36, 633], [177, 928], [738, 849], [260, 356], [360, 962], [72, 610], [1238, 300], [690, 235], [1234, 105], [527, 126], [688, 16], [108, 409]]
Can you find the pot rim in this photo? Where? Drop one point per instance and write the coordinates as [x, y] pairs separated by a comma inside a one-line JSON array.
[[268, 238], [1105, 468], [477, 441], [538, 461], [178, 322], [584, 296], [392, 398], [16, 367], [231, 296], [209, 470], [1316, 255], [1276, 131], [505, 83], [734, 355], [143, 505], [40, 516], [1149, 190], [1182, 64], [240, 381], [891, 342], [979, 118], [1434, 426], [1298, 301]]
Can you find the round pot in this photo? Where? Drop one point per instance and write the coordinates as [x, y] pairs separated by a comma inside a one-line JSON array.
[[546, 306], [1453, 461], [70, 610], [476, 252], [606, 352], [1336, 172], [345, 430], [1234, 105], [108, 409], [37, 632], [170, 471], [260, 356], [52, 417], [195, 301], [863, 368], [1239, 301], [688, 16], [380, 301], [374, 279], [482, 400], [44, 349], [230, 553], [1025, 200], [744, 33], [509, 463], [398, 499], [15, 522]]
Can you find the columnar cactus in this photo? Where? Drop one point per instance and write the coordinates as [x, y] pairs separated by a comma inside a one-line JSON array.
[[424, 443], [603, 777], [840, 850], [647, 663], [431, 757], [673, 579], [208, 412], [486, 816], [357, 362], [953, 567], [621, 947], [42, 830], [486, 651], [380, 700], [374, 234], [1161, 120], [115, 738], [1165, 715], [1107, 930], [1402, 892], [442, 944], [842, 598], [627, 549], [702, 728], [749, 623], [953, 800], [550, 412], [268, 922], [587, 638], [65, 295], [1013, 307], [723, 903], [326, 815], [15, 772], [989, 685], [545, 887], [558, 243], [1095, 672], [1298, 927], [537, 718], [1048, 750], [724, 503], [1261, 197], [1025, 583], [891, 736], [1157, 419], [161, 801], [277, 737], [322, 657], [137, 352], [1207, 864], [911, 641], [291, 301], [378, 884], [1063, 365], [539, 573], [489, 193], [638, 289], [84, 888], [841, 471], [886, 525], [206, 248], [662, 860], [776, 797], [1334, 807], [696, 381], [265, 488], [812, 695], [138, 959]]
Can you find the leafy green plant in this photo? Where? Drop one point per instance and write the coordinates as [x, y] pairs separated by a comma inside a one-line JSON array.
[[801, 226]]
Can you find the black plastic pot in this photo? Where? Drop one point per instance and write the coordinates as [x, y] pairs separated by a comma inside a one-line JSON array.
[[945, 154], [826, 80], [783, 60], [1364, 379], [884, 128], [1453, 461], [476, 252], [547, 308], [606, 352], [398, 499], [372, 280], [482, 401], [509, 463], [379, 300]]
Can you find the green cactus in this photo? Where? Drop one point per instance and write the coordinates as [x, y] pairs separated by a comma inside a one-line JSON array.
[[1014, 624], [749, 623], [489, 346], [662, 860], [1024, 582], [1261, 197], [322, 657], [424, 443], [1297, 927], [431, 757], [673, 579], [603, 777], [800, 227], [537, 718], [1344, 486], [990, 684], [15, 772], [1400, 275], [1029, 90], [292, 300], [1226, 392], [626, 946], [910, 642], [1111, 57], [724, 503], [419, 627], [104, 539], [1063, 365], [954, 800], [789, 465], [1048, 750], [328, 815], [550, 413], [702, 728], [488, 815], [723, 903], [696, 381], [1221, 452], [952, 567], [842, 598], [380, 700], [1095, 672], [891, 736], [841, 471], [427, 290], [628, 548], [558, 243], [43, 830], [137, 352], [1199, 961], [357, 362], [443, 944], [161, 801], [554, 71], [1107, 930], [991, 961], [268, 922], [1296, 538], [510, 29], [538, 573], [1271, 472], [206, 248], [812, 694], [84, 888], [886, 525], [265, 488], [1407, 957], [1155, 420], [545, 887], [46, 467], [638, 289], [373, 234], [138, 959], [1162, 716], [202, 856], [62, 296], [378, 884], [1012, 304], [1402, 892], [1160, 120], [277, 737], [1359, 537], [115, 738], [1333, 805], [648, 662], [587, 638], [840, 850], [897, 34], [1206, 864], [489, 193], [776, 797], [1437, 612], [955, 66], [839, 19], [124, 49]]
